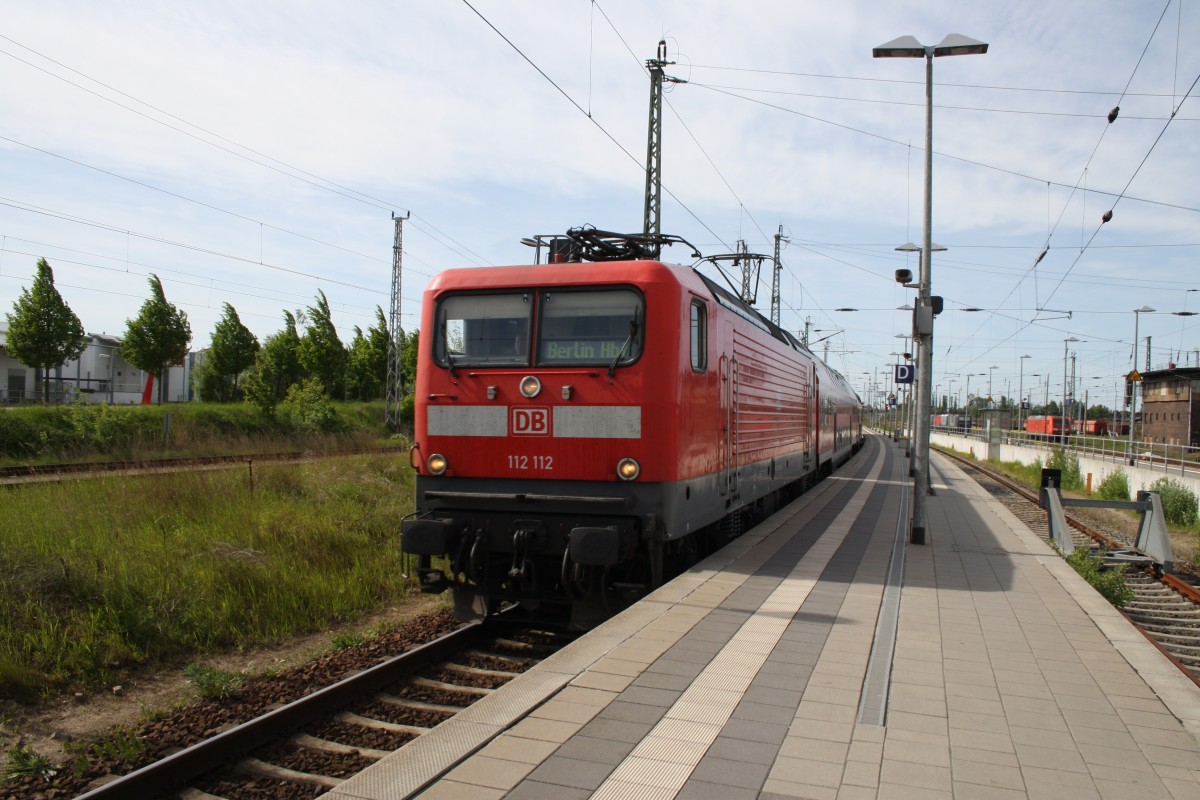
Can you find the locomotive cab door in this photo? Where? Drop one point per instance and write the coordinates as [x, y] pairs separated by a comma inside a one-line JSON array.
[[725, 422]]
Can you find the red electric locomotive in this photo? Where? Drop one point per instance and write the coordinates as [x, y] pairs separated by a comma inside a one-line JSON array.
[[584, 430]]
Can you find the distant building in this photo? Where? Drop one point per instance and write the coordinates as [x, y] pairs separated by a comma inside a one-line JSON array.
[[99, 375], [1171, 406]]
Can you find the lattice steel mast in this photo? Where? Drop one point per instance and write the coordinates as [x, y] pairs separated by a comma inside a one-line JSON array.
[[651, 220], [779, 239], [395, 375]]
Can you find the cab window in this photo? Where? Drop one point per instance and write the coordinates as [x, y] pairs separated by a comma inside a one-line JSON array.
[[477, 330], [590, 327]]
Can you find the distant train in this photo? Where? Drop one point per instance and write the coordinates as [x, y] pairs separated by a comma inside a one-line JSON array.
[[1045, 426], [958, 422], [585, 429], [1090, 427]]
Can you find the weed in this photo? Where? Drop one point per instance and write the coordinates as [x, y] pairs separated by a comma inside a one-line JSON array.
[[345, 641], [213, 683], [24, 762], [1115, 486], [1108, 581], [1178, 502]]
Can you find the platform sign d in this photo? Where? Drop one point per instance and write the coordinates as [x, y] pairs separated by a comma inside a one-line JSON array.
[[904, 373]]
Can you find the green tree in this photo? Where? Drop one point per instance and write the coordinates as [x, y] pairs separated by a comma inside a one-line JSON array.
[[409, 347], [232, 352], [277, 367], [368, 360], [159, 337], [43, 331], [321, 352]]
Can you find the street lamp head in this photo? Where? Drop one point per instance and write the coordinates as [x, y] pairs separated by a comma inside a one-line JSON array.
[[1027, 356], [1144, 310], [1072, 339], [955, 44]]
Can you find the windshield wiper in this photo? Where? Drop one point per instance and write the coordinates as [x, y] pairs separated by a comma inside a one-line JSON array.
[[450, 361], [633, 329]]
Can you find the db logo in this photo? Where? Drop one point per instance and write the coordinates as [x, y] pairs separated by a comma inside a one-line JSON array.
[[526, 421]]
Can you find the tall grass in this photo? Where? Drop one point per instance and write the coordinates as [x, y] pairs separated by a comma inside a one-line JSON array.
[[98, 575], [95, 431]]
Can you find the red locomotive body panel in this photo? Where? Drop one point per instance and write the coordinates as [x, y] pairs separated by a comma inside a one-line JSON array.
[[1044, 425]]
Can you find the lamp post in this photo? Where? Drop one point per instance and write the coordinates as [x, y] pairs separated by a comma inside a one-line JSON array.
[[1021, 394], [908, 47], [1135, 379]]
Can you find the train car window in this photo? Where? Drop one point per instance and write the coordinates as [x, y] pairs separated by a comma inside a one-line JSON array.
[[483, 330], [591, 327], [699, 336]]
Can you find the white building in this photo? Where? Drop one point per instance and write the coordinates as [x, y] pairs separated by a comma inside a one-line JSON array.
[[99, 375]]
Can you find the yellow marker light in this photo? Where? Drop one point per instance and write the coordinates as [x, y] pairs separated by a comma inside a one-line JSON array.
[[530, 386], [628, 469], [437, 463]]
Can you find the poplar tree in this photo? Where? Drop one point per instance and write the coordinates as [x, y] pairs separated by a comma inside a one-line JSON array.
[[232, 352], [159, 337], [321, 352], [43, 331]]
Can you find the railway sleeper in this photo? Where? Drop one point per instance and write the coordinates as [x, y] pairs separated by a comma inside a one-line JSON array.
[[487, 673], [513, 644], [254, 766], [420, 705], [314, 743], [191, 793], [502, 657], [350, 718], [428, 683]]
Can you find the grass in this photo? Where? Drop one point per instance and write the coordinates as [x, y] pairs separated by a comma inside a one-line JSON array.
[[87, 432], [100, 575]]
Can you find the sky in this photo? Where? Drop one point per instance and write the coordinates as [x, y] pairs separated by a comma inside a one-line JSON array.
[[255, 154]]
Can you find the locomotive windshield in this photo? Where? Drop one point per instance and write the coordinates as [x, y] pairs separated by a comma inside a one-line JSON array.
[[487, 330], [591, 327], [575, 328]]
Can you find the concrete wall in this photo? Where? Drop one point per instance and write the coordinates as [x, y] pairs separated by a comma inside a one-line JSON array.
[[1099, 466]]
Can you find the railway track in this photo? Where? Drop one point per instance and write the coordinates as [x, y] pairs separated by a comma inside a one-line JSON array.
[[1166, 609], [27, 473], [304, 748]]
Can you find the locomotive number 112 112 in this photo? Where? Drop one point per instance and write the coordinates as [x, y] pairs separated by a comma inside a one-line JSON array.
[[541, 463]]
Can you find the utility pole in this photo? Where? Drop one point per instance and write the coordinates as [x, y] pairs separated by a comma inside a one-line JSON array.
[[779, 238], [651, 221], [395, 376], [807, 328]]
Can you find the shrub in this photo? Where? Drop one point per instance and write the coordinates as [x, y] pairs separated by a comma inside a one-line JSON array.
[[1068, 462], [1108, 581], [1178, 502], [1115, 486], [307, 408]]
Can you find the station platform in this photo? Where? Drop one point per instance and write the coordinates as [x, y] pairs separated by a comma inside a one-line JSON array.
[[820, 656]]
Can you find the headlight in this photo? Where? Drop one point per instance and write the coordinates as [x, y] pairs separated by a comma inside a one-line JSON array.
[[628, 469], [437, 463], [530, 386]]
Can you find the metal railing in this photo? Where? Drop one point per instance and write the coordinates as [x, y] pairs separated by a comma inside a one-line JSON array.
[[1155, 456]]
